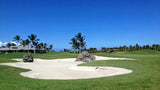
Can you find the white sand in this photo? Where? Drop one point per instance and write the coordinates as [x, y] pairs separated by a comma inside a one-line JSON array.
[[66, 69]]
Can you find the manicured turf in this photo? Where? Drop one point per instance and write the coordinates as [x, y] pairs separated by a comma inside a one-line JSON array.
[[145, 76], [52, 55]]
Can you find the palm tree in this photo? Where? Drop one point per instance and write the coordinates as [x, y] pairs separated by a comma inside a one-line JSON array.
[[8, 45], [13, 44], [47, 49], [157, 47], [81, 40], [74, 44], [144, 47], [50, 48], [137, 47], [27, 43], [154, 47], [34, 40], [23, 43], [41, 46], [17, 38], [130, 47], [45, 46], [147, 47], [36, 45], [124, 47]]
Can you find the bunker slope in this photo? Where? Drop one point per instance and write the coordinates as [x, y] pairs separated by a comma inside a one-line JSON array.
[[66, 69]]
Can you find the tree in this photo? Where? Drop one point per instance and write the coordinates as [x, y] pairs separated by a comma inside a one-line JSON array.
[[137, 47], [47, 49], [17, 38], [45, 46], [81, 40], [131, 48], [13, 44], [104, 49], [41, 47], [157, 47], [120, 48], [66, 50], [75, 44], [124, 48], [23, 43], [34, 40], [27, 43], [8, 45], [147, 47], [144, 47], [154, 47], [50, 48], [92, 50]]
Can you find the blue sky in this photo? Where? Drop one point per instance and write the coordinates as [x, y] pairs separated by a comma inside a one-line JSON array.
[[107, 23]]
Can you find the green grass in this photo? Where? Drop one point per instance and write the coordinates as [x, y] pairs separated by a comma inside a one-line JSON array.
[[145, 76], [52, 55]]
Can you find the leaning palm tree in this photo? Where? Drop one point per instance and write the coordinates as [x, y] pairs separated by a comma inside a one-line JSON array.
[[34, 40], [50, 48], [27, 43], [81, 40], [17, 38]]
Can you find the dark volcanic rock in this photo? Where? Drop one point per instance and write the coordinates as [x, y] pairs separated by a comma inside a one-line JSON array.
[[28, 58], [85, 57]]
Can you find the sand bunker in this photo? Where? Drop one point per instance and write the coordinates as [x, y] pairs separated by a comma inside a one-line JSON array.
[[66, 69]]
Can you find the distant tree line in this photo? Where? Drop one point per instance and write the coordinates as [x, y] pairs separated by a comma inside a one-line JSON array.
[[134, 47], [122, 48], [78, 45], [31, 41]]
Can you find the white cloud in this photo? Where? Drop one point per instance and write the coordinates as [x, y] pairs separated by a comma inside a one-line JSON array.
[[14, 43], [1, 43], [4, 44]]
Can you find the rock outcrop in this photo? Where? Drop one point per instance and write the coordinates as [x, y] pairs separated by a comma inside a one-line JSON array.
[[28, 58], [85, 57]]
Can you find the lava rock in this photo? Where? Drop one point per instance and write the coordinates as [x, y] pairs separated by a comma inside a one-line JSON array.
[[28, 58], [85, 57]]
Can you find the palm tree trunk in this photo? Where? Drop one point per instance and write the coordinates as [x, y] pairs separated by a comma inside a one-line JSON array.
[[74, 51], [28, 48], [17, 46], [34, 49]]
